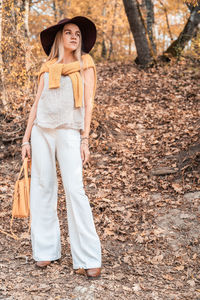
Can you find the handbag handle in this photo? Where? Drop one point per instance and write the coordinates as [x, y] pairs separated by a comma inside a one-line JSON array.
[[24, 167]]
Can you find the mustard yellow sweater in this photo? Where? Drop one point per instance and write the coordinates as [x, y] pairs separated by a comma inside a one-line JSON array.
[[73, 71]]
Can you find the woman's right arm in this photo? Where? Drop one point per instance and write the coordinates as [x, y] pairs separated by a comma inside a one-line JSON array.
[[26, 148]]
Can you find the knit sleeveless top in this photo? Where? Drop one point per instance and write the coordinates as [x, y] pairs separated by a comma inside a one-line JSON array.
[[56, 106]]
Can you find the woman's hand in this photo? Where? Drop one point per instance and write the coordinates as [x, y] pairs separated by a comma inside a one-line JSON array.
[[26, 150], [85, 153]]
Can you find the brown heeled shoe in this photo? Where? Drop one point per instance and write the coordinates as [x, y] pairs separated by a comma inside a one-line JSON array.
[[93, 273], [43, 264]]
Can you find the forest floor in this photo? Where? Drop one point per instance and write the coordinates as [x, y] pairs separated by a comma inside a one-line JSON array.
[[143, 185]]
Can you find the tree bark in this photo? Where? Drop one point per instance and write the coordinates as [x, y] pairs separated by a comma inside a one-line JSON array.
[[60, 9], [3, 95], [167, 19], [55, 10], [26, 18], [104, 48], [113, 30], [150, 21], [129, 42], [189, 31], [144, 56]]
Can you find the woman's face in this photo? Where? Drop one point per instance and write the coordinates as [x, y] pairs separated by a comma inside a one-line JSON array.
[[71, 36]]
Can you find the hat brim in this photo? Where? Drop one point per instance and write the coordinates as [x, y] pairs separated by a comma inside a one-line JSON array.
[[86, 26]]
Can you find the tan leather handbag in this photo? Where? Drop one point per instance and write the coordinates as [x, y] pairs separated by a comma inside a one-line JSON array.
[[21, 201], [21, 196]]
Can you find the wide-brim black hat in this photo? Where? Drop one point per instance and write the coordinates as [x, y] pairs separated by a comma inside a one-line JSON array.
[[86, 26]]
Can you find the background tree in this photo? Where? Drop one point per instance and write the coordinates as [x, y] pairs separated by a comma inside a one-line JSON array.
[[2, 79], [113, 28], [167, 19], [190, 30], [144, 55], [150, 20]]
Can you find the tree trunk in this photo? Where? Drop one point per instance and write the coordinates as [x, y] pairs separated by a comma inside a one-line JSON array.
[[167, 19], [104, 49], [144, 56], [26, 18], [129, 42], [189, 31], [54, 10], [3, 95], [67, 4], [113, 30], [60, 9], [150, 21], [7, 55]]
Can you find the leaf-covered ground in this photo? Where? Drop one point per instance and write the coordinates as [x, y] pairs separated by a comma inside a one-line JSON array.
[[143, 186]]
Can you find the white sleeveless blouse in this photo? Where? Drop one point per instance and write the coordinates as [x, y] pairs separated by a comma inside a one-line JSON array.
[[56, 106]]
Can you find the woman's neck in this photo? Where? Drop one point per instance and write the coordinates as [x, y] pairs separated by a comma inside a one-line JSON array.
[[68, 58]]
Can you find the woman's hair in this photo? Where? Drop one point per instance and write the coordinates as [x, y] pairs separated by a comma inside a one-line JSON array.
[[57, 49]]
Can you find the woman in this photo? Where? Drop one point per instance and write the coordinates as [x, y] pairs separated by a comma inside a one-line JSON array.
[[59, 126]]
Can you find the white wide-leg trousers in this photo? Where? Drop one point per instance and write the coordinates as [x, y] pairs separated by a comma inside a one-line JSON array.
[[64, 144]]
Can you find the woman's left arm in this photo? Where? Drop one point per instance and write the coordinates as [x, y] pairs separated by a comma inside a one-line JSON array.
[[88, 102]]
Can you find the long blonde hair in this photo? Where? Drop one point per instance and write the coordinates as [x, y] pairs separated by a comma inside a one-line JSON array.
[[57, 50]]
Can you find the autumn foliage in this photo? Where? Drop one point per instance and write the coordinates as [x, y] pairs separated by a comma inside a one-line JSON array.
[[21, 22]]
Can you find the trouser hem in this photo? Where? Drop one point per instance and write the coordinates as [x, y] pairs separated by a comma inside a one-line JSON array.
[[36, 258], [86, 267]]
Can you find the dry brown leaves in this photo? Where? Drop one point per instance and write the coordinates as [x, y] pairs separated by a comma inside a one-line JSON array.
[[148, 224]]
